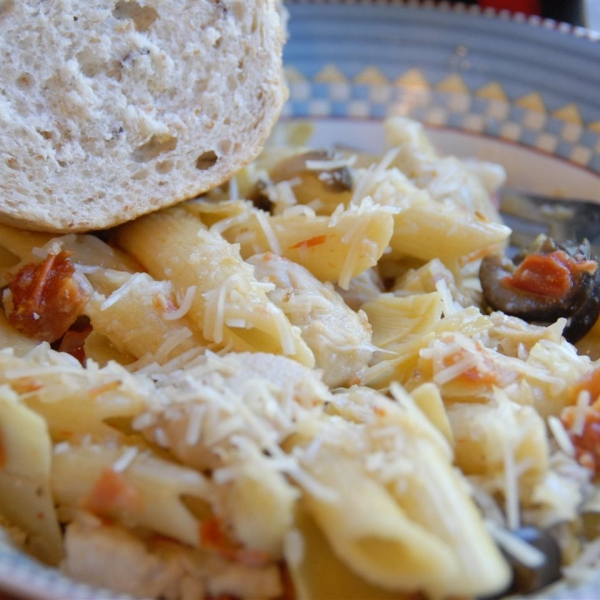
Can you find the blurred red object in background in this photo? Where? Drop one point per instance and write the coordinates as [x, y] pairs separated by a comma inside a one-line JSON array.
[[528, 7]]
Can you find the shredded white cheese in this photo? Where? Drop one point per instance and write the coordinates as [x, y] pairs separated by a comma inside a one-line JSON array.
[[583, 402], [561, 436], [125, 460], [294, 549], [526, 554], [265, 225], [330, 165], [511, 486], [184, 305], [449, 308]]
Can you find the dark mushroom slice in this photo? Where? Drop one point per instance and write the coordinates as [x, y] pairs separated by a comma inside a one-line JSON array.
[[529, 579], [549, 282], [318, 174], [526, 579], [259, 196]]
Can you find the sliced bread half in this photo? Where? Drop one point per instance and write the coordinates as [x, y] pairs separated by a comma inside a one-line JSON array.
[[110, 109]]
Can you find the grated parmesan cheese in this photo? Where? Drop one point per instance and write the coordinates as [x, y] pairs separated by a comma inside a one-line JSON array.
[[301, 210], [282, 193], [62, 448], [511, 486], [448, 306], [334, 218], [222, 226], [170, 343], [524, 553], [192, 434], [125, 460], [331, 164], [184, 305], [583, 402], [561, 436], [294, 547], [265, 225], [122, 291], [214, 317], [372, 176], [455, 370]]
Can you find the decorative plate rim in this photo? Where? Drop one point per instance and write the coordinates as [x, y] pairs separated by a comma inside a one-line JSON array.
[[563, 27], [455, 91]]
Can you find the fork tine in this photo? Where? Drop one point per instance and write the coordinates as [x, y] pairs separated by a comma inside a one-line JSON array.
[[564, 220]]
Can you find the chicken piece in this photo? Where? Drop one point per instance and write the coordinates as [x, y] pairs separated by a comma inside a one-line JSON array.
[[339, 337], [230, 415], [110, 556], [251, 392], [363, 288]]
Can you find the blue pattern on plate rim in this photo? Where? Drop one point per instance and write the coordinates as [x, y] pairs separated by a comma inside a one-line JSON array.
[[521, 79]]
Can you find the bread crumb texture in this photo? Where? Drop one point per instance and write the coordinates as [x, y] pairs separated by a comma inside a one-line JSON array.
[[110, 110]]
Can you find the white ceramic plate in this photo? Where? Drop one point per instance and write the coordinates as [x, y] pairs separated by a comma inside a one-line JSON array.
[[521, 92]]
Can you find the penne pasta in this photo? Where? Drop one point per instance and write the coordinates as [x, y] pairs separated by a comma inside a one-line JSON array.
[[428, 230], [230, 305], [334, 249], [371, 533], [165, 331], [327, 577], [86, 476], [339, 338], [25, 494]]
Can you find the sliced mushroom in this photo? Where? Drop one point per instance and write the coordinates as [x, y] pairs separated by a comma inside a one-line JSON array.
[[333, 177], [318, 174], [549, 282], [531, 579]]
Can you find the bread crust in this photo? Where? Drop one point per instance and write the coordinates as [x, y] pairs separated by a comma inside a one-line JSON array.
[[113, 109]]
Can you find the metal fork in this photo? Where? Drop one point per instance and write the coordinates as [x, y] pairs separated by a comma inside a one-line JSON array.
[[563, 219]]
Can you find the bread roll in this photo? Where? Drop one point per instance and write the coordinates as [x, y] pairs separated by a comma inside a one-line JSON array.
[[110, 109]]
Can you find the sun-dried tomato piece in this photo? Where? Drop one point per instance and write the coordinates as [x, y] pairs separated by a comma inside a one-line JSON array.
[[111, 494], [587, 441], [550, 282], [213, 537], [45, 298]]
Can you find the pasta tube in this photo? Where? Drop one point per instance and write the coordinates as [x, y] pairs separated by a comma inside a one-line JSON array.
[[328, 577], [339, 337], [400, 319], [86, 249], [492, 437], [428, 229], [122, 483], [413, 460], [335, 248], [371, 533], [25, 494], [164, 331], [230, 305], [74, 402]]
